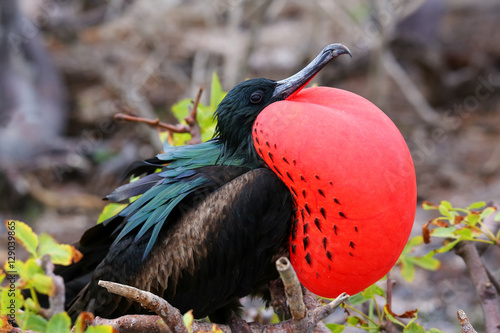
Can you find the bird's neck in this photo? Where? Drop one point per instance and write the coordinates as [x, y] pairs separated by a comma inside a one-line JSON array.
[[242, 152]]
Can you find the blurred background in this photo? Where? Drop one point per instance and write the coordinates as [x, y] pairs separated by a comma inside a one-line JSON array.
[[65, 65]]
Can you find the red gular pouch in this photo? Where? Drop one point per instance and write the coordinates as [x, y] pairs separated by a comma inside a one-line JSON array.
[[353, 181]]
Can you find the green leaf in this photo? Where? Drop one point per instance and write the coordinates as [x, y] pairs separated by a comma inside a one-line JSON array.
[[446, 204], [335, 328], [434, 330], [445, 211], [60, 322], [60, 254], [497, 217], [30, 268], [447, 247], [10, 301], [43, 284], [414, 328], [352, 321], [472, 218], [464, 233], [29, 303], [488, 211], [373, 290], [444, 232], [25, 236], [188, 320], [407, 269], [428, 206], [476, 205], [181, 109], [110, 210], [216, 92], [31, 321], [415, 241], [100, 329], [357, 299], [427, 262]]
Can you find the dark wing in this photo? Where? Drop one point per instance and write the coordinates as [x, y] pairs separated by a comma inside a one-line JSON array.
[[221, 247], [190, 185]]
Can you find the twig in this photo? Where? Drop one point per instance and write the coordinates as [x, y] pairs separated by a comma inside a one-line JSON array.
[[178, 128], [170, 315], [293, 290], [56, 301], [409, 89], [464, 322], [322, 312], [192, 127], [484, 288], [172, 318], [390, 283], [304, 321], [191, 120], [492, 279], [135, 324]]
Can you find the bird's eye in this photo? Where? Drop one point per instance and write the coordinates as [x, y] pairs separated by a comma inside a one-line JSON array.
[[256, 96]]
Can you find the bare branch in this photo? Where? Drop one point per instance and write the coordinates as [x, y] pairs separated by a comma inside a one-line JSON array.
[[484, 288], [192, 127], [309, 322], [322, 312], [56, 301], [304, 319], [135, 324], [178, 128], [293, 290], [170, 315], [464, 322], [390, 284], [191, 120], [409, 89]]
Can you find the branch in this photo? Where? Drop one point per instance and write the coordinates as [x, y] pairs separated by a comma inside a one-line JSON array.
[[57, 300], [170, 315], [484, 288], [293, 290], [304, 321], [464, 322], [192, 127], [409, 89], [390, 284], [135, 324], [322, 312], [178, 128], [310, 318]]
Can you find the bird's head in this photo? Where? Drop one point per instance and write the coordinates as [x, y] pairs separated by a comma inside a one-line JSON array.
[[242, 104]]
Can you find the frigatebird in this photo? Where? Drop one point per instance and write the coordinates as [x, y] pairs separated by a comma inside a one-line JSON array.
[[212, 218]]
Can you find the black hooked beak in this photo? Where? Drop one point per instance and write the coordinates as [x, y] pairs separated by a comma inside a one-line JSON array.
[[292, 85]]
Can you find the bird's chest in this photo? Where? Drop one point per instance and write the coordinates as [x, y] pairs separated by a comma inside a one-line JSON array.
[[352, 179]]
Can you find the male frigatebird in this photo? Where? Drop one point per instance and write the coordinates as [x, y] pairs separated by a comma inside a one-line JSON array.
[[208, 228]]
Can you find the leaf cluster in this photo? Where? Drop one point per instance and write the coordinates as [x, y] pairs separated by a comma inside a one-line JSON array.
[[29, 275]]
